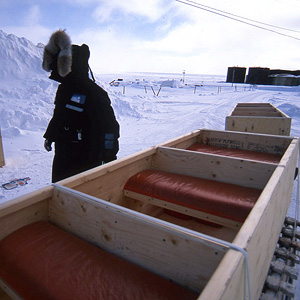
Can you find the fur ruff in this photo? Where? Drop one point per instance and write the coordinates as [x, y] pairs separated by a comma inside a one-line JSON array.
[[59, 47]]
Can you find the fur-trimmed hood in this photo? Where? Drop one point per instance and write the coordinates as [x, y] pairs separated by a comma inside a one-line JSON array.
[[58, 51]]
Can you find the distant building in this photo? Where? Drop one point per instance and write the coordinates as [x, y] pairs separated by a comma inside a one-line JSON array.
[[236, 75], [258, 75], [266, 76], [279, 71], [285, 79]]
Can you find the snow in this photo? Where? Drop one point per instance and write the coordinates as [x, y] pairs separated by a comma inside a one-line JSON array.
[[151, 108]]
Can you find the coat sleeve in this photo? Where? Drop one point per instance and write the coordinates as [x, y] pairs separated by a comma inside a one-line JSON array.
[[53, 126], [50, 131], [54, 131]]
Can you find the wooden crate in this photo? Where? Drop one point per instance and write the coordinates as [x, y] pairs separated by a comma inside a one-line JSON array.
[[258, 118], [205, 258], [2, 162]]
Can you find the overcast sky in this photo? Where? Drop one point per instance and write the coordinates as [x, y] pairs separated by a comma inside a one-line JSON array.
[[164, 35]]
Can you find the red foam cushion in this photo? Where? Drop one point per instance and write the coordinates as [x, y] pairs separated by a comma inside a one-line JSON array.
[[217, 198], [238, 153], [42, 262]]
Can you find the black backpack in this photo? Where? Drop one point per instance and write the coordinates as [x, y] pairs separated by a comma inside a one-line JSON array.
[[90, 119]]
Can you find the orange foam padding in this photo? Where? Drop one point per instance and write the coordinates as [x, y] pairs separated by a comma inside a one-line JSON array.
[[42, 262], [222, 199], [238, 153]]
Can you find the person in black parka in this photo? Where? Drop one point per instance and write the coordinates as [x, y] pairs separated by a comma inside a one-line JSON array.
[[83, 127]]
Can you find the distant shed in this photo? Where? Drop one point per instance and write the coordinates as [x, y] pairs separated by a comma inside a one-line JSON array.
[[280, 71], [236, 74], [285, 79]]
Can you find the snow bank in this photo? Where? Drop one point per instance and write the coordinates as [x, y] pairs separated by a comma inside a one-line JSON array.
[[172, 83], [19, 57]]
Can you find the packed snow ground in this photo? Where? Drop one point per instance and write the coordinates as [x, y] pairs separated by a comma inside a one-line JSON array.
[[151, 108], [145, 118]]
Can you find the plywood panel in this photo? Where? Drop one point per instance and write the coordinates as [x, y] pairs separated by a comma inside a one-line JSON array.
[[184, 210], [213, 167], [182, 142], [107, 181], [276, 126], [246, 141], [258, 119], [152, 244], [24, 210]]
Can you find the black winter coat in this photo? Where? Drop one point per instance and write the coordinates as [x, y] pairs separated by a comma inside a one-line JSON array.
[[83, 127]]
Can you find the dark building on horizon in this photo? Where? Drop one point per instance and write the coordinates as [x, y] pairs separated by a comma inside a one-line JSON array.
[[285, 72], [263, 76], [257, 75], [236, 75]]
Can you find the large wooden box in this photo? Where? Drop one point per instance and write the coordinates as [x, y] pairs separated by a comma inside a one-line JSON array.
[[258, 118], [217, 262]]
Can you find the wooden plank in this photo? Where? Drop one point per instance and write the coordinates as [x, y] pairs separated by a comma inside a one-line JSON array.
[[228, 282], [268, 223], [224, 233], [256, 113], [2, 161], [253, 104], [24, 201], [289, 155], [261, 109], [247, 141], [22, 217], [184, 210], [276, 126], [156, 246], [107, 181], [24, 210], [214, 167], [182, 142]]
